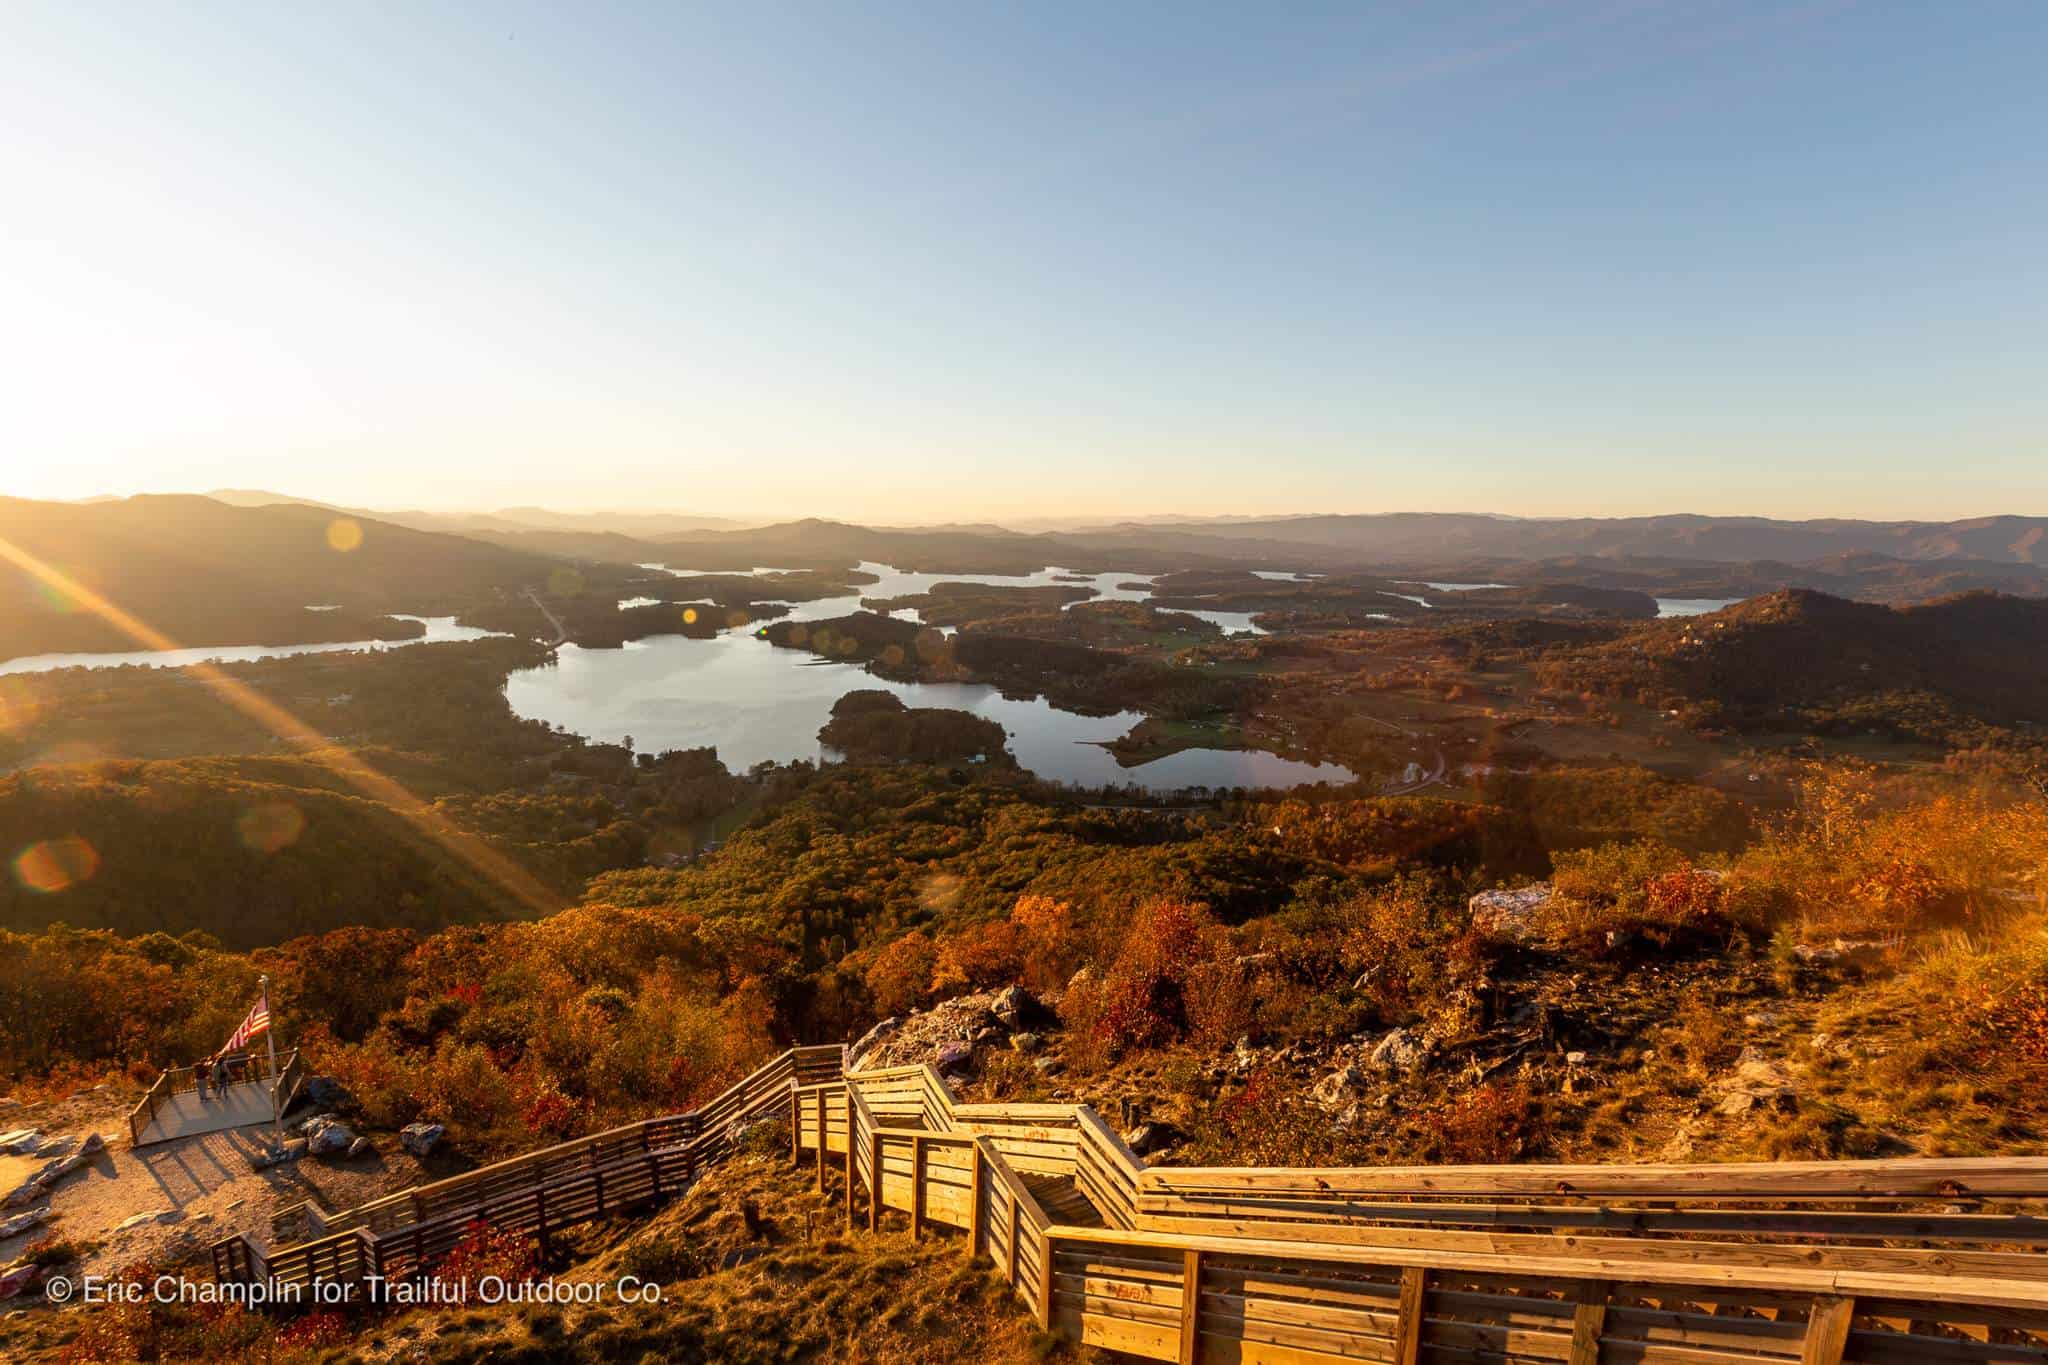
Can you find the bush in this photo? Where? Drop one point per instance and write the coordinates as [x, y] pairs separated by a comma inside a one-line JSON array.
[[1170, 971], [1620, 897], [663, 1257]]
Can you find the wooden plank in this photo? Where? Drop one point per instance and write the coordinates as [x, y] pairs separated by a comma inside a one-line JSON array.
[[1044, 1294], [1827, 1330], [1408, 1325], [1589, 1319], [1010, 1269], [916, 1186], [1946, 1178], [1190, 1306], [1972, 1290], [977, 1216]]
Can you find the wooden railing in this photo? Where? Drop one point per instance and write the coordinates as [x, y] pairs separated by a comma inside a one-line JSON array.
[[1813, 1262], [184, 1080], [1875, 1262], [541, 1192]]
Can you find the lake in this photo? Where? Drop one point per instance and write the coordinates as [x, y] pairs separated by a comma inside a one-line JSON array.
[[439, 629], [755, 703], [1693, 606]]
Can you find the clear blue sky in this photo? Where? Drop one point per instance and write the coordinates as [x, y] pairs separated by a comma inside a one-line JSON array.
[[903, 262]]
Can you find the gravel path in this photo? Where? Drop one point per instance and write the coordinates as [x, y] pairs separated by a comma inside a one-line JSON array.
[[204, 1184]]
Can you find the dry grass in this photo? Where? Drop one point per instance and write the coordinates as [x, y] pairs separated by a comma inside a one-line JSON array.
[[754, 1266]]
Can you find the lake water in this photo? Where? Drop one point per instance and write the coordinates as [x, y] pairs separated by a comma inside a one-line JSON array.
[[755, 703], [1693, 606], [439, 629]]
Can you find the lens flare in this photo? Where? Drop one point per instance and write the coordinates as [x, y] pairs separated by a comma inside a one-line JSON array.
[[344, 534], [423, 819], [737, 618], [271, 826], [689, 616], [55, 865], [49, 599]]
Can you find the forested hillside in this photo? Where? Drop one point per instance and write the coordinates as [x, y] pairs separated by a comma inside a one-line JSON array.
[[204, 573]]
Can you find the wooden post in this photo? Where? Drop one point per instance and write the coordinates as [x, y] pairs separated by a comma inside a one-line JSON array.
[[975, 1213], [1408, 1331], [916, 1187], [1827, 1330], [849, 1161], [1010, 1268], [875, 1183], [540, 1206], [654, 1175], [821, 1142], [796, 1127], [597, 1181], [1045, 1251], [1190, 1306], [1589, 1320]]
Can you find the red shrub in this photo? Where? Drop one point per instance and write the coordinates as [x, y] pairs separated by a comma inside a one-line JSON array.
[[488, 1253]]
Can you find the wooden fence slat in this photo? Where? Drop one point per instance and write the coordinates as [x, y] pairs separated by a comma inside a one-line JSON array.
[[1190, 1307], [1827, 1331], [1408, 1330], [1589, 1320]]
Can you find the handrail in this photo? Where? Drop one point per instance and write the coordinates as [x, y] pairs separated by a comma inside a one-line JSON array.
[[540, 1191], [1574, 1263], [1306, 1264], [184, 1080]]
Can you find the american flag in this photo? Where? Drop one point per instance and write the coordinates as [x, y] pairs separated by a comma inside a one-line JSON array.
[[257, 1022]]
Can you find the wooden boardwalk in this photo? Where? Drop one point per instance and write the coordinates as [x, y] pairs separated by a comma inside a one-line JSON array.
[[1793, 1263], [185, 1114], [173, 1109]]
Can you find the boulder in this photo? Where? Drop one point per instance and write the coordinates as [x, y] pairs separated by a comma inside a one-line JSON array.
[[870, 1040], [1019, 1008], [1151, 1136], [315, 1123], [1341, 1087], [1026, 1042], [328, 1093], [1402, 1050], [984, 1036], [1244, 1056], [136, 1220], [1756, 1082], [331, 1139], [361, 1147], [19, 1279], [22, 1222], [265, 1157], [1047, 1066], [420, 1139], [954, 1056], [1509, 915], [54, 1170]]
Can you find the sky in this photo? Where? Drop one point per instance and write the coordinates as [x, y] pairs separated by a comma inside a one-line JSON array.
[[914, 262]]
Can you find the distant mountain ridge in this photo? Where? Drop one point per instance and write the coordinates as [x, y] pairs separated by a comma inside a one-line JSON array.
[[1805, 661], [1409, 536], [207, 573]]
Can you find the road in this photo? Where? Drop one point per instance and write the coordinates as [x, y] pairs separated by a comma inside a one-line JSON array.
[[561, 631]]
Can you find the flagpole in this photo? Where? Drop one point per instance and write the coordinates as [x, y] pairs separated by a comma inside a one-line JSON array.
[[270, 1040]]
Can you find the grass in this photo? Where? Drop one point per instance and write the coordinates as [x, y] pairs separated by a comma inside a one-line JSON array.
[[753, 1266]]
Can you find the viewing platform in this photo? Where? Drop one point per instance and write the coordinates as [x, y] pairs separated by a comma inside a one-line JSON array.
[[173, 1108]]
